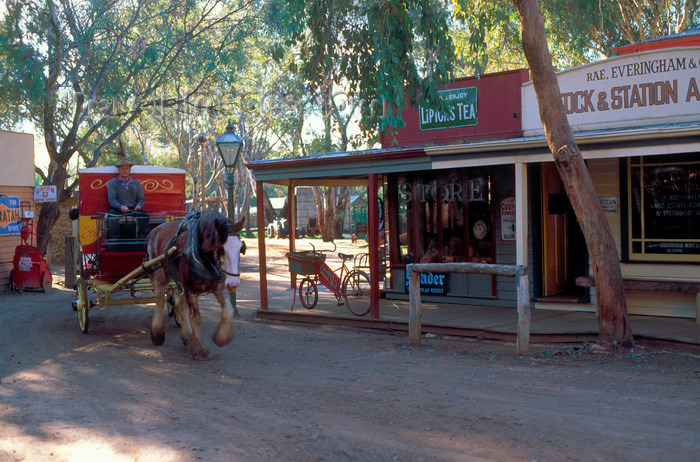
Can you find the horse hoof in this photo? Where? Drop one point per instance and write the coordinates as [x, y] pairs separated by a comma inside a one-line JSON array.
[[221, 339], [158, 339], [201, 352]]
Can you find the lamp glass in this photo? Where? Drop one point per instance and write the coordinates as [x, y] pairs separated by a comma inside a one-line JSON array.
[[229, 145]]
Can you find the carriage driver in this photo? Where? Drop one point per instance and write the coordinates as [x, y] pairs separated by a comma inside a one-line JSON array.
[[125, 195]]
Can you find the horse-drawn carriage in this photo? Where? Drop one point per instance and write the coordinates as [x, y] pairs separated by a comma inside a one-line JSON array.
[[164, 255], [112, 248]]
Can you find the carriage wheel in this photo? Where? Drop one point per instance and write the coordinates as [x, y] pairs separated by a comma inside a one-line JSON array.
[[308, 293], [46, 281], [357, 292], [82, 305]]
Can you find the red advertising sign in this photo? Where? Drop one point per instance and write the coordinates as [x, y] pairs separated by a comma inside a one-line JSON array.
[[508, 219]]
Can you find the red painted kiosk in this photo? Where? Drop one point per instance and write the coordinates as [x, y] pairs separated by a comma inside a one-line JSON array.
[[113, 253]]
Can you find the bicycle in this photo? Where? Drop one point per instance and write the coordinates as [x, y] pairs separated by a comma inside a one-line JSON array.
[[350, 285]]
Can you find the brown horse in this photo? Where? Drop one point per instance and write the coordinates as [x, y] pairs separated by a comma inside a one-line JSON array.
[[206, 261]]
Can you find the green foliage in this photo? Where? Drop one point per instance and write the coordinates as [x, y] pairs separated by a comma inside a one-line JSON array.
[[84, 72], [382, 53], [487, 35]]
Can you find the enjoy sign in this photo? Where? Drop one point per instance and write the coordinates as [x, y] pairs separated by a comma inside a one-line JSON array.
[[460, 110]]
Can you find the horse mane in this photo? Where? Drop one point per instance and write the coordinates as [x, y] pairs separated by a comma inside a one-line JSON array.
[[213, 229], [206, 233]]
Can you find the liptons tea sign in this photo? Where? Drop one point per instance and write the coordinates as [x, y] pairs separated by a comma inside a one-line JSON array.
[[460, 110]]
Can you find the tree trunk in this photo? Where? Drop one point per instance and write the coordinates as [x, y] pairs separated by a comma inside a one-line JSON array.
[[47, 218], [613, 324], [328, 225]]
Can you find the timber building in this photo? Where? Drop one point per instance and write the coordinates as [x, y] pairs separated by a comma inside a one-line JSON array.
[[16, 195]]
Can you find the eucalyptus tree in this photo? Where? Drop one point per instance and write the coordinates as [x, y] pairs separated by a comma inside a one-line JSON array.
[[487, 34], [83, 72]]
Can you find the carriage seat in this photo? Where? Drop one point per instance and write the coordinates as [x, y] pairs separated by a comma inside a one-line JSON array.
[[128, 232]]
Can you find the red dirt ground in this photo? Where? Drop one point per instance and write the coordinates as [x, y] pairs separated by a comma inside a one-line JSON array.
[[307, 393]]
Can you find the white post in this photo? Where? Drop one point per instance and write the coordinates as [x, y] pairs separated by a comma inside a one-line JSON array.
[[521, 213], [522, 343]]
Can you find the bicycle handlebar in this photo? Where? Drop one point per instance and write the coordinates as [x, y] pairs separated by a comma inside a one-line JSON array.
[[313, 249]]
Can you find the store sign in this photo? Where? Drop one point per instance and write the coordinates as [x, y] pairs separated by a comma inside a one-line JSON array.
[[460, 110], [430, 283], [508, 219], [45, 193], [446, 192], [654, 87], [10, 215]]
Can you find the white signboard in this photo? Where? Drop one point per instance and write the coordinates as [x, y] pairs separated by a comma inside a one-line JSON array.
[[649, 88], [609, 204], [45, 194], [508, 219]]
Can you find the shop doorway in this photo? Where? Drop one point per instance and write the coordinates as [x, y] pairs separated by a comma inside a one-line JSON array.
[[564, 255]]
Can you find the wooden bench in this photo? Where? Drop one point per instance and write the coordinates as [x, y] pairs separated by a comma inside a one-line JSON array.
[[654, 285]]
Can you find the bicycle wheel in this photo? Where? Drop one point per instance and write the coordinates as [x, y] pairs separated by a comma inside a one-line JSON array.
[[308, 293], [357, 292]]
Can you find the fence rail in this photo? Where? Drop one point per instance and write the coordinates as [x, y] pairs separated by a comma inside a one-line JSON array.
[[522, 343]]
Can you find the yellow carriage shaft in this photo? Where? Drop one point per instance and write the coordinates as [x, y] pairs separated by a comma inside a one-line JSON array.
[[123, 282]]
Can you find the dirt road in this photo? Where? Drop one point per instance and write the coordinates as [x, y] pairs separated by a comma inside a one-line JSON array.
[[302, 393]]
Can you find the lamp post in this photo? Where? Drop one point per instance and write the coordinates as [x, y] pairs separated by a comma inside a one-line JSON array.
[[229, 146], [202, 140]]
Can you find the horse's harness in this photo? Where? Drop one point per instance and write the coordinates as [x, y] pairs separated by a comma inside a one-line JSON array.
[[204, 265]]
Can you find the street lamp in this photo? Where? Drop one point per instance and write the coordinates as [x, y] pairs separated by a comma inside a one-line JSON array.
[[229, 146]]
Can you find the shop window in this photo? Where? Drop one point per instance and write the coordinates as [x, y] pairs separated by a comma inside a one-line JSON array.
[[445, 217], [664, 208]]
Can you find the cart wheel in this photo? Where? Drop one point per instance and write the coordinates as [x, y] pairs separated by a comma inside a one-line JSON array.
[[12, 284], [357, 292], [46, 281], [308, 293], [82, 305]]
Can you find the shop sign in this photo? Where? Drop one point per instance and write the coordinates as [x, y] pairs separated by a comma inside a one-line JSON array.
[[508, 219], [446, 192], [655, 87], [45, 193], [9, 215], [430, 283], [460, 110], [609, 204]]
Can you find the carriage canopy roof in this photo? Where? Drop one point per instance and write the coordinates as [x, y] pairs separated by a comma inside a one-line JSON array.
[[163, 188]]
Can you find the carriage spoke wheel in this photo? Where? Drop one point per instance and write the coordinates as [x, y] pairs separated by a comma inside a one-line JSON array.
[[357, 292], [308, 293], [82, 305]]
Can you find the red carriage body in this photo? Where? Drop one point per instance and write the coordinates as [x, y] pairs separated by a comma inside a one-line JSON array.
[[164, 190]]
